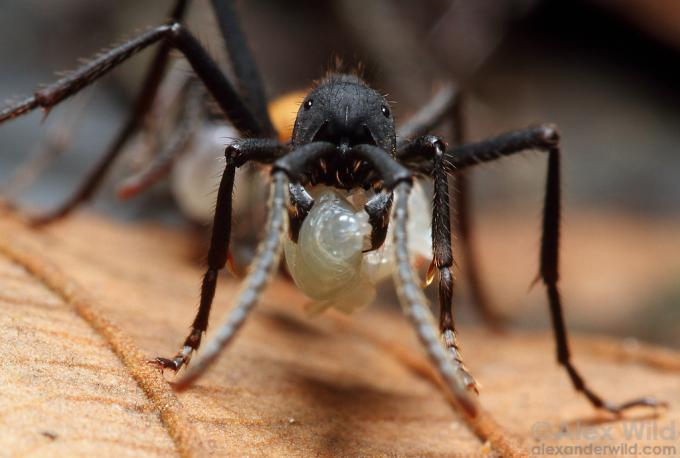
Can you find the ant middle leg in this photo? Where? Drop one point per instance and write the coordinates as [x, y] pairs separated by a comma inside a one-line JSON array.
[[544, 138], [447, 105]]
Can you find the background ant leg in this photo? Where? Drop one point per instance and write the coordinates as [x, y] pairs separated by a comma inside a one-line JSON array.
[[176, 36], [463, 225], [470, 267], [544, 138], [430, 116], [248, 78], [237, 154], [249, 83], [57, 140], [264, 266], [188, 123], [141, 106]]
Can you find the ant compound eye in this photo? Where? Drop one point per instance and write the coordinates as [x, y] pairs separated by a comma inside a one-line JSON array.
[[385, 111], [308, 104]]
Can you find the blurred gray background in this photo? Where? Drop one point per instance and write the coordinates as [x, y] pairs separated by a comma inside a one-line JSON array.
[[606, 72]]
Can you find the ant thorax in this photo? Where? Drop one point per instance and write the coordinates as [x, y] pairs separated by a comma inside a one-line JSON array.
[[329, 263]]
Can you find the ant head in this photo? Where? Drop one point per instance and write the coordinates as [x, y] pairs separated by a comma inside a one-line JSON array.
[[343, 110]]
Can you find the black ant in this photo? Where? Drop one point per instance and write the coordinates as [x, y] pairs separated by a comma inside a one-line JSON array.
[[344, 137]]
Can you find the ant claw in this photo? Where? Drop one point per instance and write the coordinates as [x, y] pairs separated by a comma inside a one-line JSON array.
[[642, 402], [165, 363]]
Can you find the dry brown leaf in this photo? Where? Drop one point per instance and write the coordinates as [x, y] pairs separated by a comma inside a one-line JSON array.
[[87, 301]]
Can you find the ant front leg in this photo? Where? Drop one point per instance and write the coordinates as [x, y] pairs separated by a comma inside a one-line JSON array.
[[431, 146], [447, 104], [300, 205], [399, 179], [378, 209], [544, 138], [237, 154]]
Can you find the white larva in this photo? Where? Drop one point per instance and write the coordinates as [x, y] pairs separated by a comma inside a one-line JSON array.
[[328, 263], [196, 176]]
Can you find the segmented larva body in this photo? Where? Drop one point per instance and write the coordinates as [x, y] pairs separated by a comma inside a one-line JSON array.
[[328, 263]]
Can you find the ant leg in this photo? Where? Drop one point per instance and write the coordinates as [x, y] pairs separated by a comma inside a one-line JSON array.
[[432, 147], [58, 140], [448, 103], [237, 154], [173, 35], [398, 178], [378, 209], [417, 308], [186, 125], [430, 116], [300, 205], [443, 260], [260, 274], [249, 80], [261, 270], [544, 138], [464, 227], [141, 106], [395, 175]]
